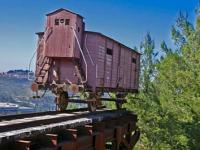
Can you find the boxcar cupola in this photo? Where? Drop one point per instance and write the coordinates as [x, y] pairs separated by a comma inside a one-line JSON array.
[[63, 31]]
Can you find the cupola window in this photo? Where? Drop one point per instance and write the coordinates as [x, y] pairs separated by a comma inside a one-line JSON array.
[[61, 20], [57, 22], [66, 21]]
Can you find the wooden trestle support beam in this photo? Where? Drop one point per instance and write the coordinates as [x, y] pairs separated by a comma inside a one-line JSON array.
[[116, 134]]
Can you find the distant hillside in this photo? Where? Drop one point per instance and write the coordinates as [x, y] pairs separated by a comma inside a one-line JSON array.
[[17, 90], [20, 73]]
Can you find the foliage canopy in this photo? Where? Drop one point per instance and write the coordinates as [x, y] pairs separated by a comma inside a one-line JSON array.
[[169, 99]]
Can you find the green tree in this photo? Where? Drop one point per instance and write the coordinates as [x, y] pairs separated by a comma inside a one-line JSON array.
[[177, 86], [169, 99], [146, 103], [147, 62]]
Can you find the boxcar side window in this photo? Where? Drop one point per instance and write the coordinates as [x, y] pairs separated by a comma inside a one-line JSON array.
[[56, 21], [66, 21], [109, 51], [133, 60]]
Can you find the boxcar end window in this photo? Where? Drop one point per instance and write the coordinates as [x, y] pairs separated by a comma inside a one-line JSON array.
[[66, 21], [134, 60], [109, 51], [61, 20], [56, 21]]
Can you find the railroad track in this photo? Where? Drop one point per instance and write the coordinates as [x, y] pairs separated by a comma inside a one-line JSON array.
[[21, 116], [72, 129]]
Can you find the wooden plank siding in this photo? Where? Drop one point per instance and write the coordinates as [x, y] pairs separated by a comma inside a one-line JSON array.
[[90, 42], [114, 68], [62, 42], [115, 60]]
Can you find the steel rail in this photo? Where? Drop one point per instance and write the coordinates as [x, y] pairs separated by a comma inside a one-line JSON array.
[[38, 120], [25, 115]]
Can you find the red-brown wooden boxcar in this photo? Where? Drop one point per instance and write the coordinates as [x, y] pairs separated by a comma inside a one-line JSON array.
[[68, 55], [108, 63]]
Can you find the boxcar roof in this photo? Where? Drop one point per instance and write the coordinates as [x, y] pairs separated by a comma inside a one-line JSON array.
[[62, 9], [98, 33]]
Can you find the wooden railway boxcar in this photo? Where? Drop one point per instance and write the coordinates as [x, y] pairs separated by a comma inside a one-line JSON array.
[[113, 66], [67, 54]]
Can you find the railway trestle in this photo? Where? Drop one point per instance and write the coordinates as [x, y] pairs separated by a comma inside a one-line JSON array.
[[101, 130]]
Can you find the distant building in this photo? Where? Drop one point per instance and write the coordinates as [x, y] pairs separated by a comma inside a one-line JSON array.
[[22, 74]]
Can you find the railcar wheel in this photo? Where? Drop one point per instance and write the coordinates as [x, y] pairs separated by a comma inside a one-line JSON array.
[[61, 101], [62, 106], [118, 105], [98, 99], [92, 105], [120, 95]]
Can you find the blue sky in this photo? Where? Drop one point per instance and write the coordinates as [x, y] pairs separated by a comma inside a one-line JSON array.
[[125, 20]]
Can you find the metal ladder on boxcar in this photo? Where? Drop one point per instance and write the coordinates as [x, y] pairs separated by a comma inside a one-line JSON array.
[[44, 68], [80, 72]]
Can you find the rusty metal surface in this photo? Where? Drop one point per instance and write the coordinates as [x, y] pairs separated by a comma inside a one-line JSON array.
[[75, 130]]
